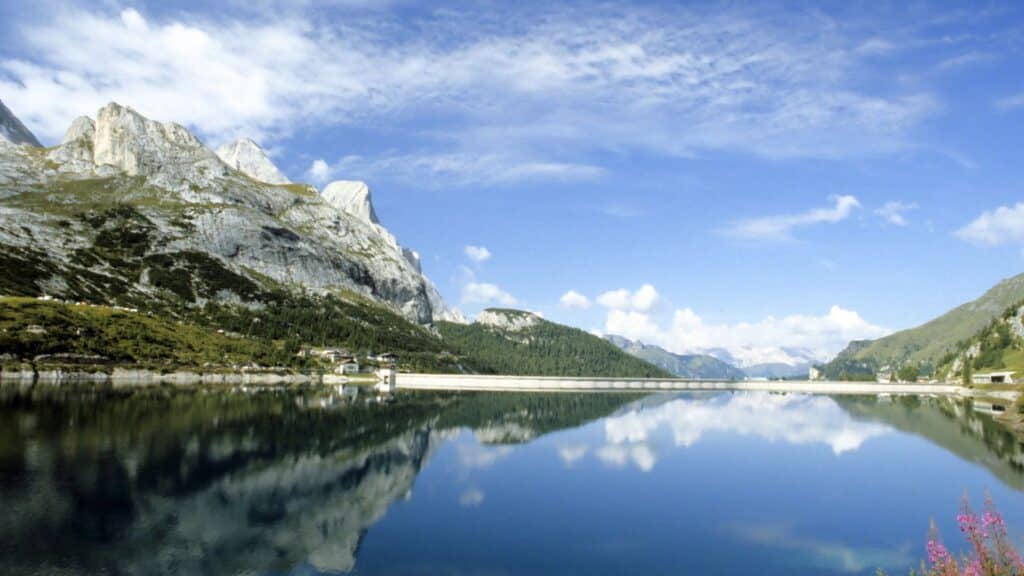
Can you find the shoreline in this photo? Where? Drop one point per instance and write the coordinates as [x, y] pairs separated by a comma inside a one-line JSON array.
[[126, 377], [139, 377]]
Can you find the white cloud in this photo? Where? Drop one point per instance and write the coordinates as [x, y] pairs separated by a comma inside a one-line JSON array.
[[573, 300], [770, 339], [794, 419], [1000, 226], [478, 457], [615, 299], [645, 299], [478, 254], [463, 168], [634, 325], [471, 498], [573, 453], [485, 293], [319, 172], [893, 212], [618, 456], [523, 94], [781, 227]]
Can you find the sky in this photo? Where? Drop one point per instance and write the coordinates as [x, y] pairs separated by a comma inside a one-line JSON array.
[[747, 176]]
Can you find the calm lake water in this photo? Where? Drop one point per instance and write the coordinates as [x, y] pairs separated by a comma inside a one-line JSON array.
[[317, 481]]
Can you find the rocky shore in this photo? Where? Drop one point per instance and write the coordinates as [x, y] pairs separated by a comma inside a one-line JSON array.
[[133, 377]]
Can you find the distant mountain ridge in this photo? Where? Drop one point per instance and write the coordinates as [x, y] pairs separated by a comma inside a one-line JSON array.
[[682, 365], [927, 344]]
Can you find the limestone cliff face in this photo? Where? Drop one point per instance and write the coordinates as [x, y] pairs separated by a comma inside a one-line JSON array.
[[353, 197], [125, 139], [508, 320], [247, 157], [195, 201]]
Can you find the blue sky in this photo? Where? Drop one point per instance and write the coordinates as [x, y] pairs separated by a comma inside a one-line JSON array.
[[778, 174]]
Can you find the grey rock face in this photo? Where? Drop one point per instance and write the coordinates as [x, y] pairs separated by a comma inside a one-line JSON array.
[[248, 158], [13, 131], [351, 196], [511, 321], [81, 128], [289, 234]]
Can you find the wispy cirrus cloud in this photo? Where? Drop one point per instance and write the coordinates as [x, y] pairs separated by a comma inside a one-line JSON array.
[[459, 169], [781, 227], [523, 94], [1012, 102], [894, 212]]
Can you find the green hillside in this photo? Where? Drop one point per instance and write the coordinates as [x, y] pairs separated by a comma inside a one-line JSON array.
[[217, 336], [927, 344], [998, 346], [520, 343]]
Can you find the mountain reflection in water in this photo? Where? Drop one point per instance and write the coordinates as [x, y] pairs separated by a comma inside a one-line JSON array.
[[225, 482]]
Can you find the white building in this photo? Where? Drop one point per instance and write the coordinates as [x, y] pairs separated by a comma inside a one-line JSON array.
[[386, 383], [1005, 377], [814, 374], [884, 375], [348, 366]]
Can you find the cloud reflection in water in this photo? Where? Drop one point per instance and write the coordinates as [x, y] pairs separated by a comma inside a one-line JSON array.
[[794, 419]]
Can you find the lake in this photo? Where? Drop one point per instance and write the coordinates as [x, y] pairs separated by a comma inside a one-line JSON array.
[[332, 480]]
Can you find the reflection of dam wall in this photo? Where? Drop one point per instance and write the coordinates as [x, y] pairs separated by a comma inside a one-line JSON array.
[[953, 425]]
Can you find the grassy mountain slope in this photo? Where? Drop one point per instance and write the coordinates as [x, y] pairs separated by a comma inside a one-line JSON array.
[[58, 333], [524, 344], [212, 337], [682, 365], [926, 345], [997, 346]]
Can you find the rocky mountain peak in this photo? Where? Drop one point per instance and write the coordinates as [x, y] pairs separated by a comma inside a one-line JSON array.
[[288, 234], [13, 131], [353, 197], [509, 320], [82, 127], [140, 146], [249, 158]]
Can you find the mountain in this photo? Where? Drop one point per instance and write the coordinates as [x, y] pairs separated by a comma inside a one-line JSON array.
[[13, 131], [997, 346], [522, 343], [128, 210], [682, 365], [246, 156], [775, 370], [926, 345]]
